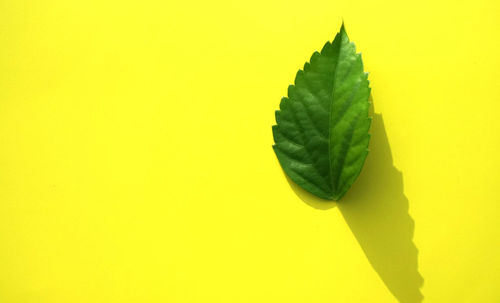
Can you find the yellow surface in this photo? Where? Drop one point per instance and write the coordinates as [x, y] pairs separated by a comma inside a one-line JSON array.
[[136, 161]]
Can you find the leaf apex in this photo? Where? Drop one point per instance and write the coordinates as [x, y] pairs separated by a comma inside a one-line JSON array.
[[342, 28]]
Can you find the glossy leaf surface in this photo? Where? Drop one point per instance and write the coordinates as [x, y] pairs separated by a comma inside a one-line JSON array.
[[321, 132]]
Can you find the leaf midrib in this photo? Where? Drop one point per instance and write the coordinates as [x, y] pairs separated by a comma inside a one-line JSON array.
[[330, 129]]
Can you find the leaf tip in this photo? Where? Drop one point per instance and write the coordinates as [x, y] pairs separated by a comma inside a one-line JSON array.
[[342, 27]]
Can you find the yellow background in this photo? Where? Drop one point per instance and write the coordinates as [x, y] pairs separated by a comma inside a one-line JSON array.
[[136, 161]]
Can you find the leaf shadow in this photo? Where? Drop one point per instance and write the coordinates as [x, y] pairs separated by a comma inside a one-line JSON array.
[[376, 211]]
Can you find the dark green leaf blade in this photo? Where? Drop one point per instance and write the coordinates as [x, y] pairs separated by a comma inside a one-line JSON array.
[[321, 132]]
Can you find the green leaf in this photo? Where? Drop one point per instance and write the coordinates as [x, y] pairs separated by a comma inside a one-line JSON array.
[[321, 133]]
